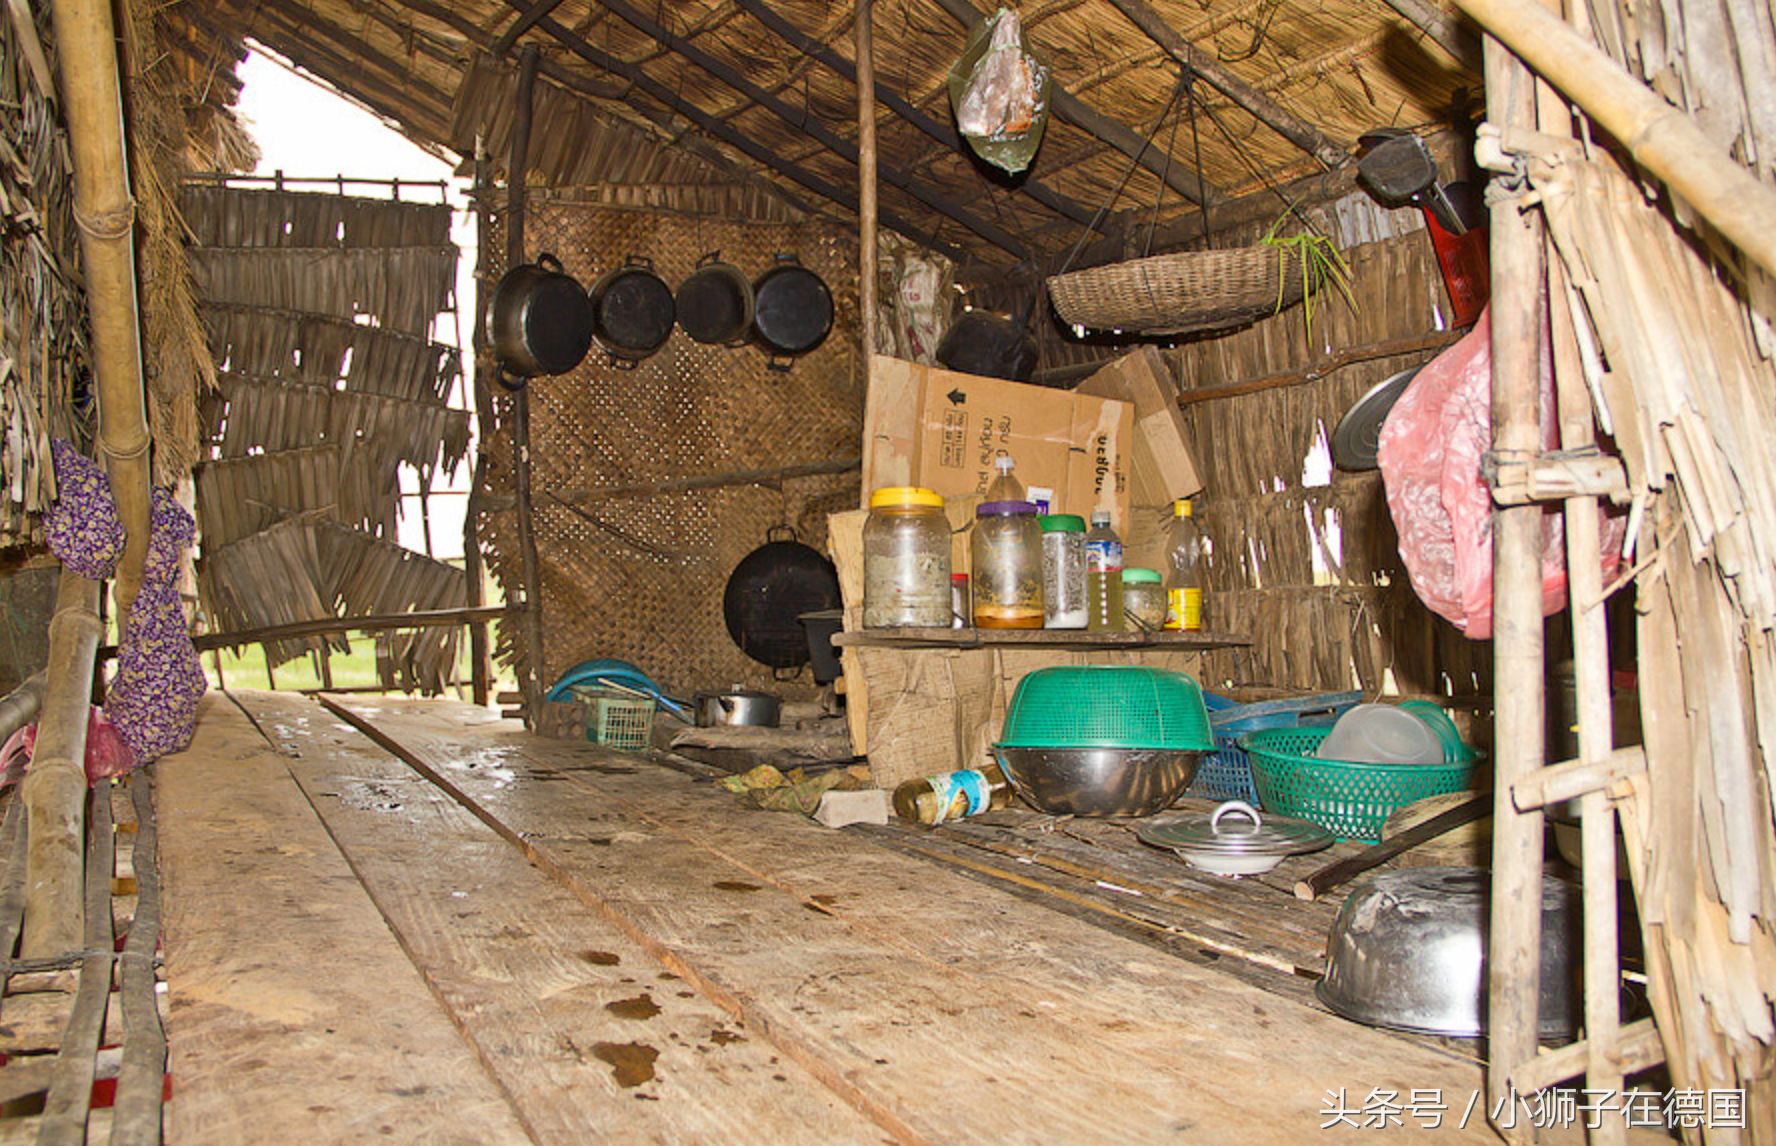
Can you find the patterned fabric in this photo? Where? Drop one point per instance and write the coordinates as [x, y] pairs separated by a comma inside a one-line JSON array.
[[83, 529], [153, 698]]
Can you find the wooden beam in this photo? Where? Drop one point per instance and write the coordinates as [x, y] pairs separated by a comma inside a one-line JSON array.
[[578, 45], [372, 623], [1446, 31], [524, 22], [815, 129], [1330, 363], [1264, 109], [939, 130], [864, 27], [1101, 127], [517, 172]]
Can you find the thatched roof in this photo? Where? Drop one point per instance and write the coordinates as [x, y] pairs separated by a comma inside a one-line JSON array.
[[761, 91]]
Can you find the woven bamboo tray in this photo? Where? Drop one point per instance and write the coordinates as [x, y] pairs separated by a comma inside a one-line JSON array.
[[1180, 293]]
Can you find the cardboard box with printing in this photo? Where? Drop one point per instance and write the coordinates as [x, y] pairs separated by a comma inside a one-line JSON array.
[[935, 428]]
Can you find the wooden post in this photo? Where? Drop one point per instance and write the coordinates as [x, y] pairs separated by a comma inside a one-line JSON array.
[[54, 789], [105, 216], [1514, 957], [866, 178], [480, 665], [532, 683], [21, 704]]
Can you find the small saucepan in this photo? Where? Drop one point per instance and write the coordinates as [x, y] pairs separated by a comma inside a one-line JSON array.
[[792, 310], [715, 302], [738, 706]]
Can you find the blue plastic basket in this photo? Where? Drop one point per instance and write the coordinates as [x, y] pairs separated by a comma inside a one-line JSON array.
[[1226, 773]]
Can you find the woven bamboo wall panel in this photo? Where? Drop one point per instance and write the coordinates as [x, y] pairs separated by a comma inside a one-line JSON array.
[[1313, 572], [641, 578]]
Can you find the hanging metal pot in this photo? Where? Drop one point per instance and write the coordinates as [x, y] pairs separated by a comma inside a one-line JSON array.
[[768, 592], [793, 310], [632, 312], [539, 322], [715, 303]]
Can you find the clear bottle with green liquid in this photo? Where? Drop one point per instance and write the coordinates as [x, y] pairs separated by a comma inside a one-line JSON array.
[[1103, 576]]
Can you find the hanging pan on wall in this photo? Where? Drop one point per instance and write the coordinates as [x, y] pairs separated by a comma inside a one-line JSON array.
[[540, 322], [632, 312], [793, 311], [768, 592], [715, 304]]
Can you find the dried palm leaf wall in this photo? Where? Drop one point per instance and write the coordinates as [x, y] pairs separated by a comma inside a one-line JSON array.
[[641, 576], [319, 307], [42, 309], [1312, 571]]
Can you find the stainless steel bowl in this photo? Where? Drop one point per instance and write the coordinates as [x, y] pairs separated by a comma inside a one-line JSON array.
[[1408, 951], [1098, 781]]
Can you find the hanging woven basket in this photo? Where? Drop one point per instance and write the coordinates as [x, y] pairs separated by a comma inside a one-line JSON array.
[[1180, 293]]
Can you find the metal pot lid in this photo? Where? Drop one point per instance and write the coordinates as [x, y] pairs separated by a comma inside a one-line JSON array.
[[1235, 828], [1357, 438]]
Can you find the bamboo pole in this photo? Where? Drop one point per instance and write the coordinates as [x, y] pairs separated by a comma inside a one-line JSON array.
[[54, 789], [21, 704], [1514, 958], [1660, 137], [474, 571], [516, 169], [105, 215], [866, 175]]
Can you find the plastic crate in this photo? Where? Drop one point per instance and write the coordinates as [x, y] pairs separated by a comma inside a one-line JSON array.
[[1225, 774], [616, 720], [1348, 799]]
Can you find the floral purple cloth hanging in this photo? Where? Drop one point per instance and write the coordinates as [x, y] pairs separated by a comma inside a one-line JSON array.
[[152, 699]]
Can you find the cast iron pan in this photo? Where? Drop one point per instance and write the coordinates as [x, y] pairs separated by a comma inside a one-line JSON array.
[[768, 592]]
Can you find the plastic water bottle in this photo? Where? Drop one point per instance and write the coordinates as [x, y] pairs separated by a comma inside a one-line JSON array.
[[1184, 576], [1004, 486], [1103, 575]]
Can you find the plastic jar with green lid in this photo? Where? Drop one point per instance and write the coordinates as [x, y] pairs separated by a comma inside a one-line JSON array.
[[1063, 571], [1143, 600], [906, 560]]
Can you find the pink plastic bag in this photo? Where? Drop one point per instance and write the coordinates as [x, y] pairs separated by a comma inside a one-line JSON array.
[[1430, 451], [106, 754]]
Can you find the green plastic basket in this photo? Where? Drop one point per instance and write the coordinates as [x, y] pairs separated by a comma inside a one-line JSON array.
[[1107, 706], [616, 720], [1348, 799]]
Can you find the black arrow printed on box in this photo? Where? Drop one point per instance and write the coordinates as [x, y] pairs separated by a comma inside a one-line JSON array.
[[956, 397]]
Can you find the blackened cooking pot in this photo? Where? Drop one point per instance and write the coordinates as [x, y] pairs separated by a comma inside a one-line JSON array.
[[715, 302], [793, 310], [540, 321], [768, 592], [632, 311]]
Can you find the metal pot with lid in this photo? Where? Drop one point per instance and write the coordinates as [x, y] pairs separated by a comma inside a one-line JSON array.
[[793, 310], [715, 305], [539, 322], [738, 706], [632, 311]]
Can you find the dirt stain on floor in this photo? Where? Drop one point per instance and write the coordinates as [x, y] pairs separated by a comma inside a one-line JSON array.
[[601, 958], [641, 1008], [736, 885], [632, 1064], [721, 1036]]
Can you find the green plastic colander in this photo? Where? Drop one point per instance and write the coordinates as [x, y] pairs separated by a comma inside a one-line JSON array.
[[1107, 706]]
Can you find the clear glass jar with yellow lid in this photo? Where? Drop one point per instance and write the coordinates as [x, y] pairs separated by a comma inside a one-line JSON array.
[[906, 560]]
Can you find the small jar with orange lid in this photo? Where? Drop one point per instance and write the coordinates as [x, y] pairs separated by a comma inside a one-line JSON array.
[[906, 560]]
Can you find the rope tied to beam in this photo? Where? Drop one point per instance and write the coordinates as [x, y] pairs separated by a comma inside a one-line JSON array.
[[107, 226]]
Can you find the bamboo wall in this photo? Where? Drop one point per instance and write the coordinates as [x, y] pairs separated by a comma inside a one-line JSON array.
[[641, 577], [1312, 572]]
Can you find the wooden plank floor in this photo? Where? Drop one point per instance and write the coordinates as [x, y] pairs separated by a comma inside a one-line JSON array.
[[509, 939]]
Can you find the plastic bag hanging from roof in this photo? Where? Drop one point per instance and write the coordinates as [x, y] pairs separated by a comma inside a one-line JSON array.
[[1000, 92]]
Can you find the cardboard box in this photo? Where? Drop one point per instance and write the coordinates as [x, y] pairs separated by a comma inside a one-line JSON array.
[[1162, 467], [925, 426]]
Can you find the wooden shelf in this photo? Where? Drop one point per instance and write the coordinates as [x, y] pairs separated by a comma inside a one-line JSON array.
[[1072, 639]]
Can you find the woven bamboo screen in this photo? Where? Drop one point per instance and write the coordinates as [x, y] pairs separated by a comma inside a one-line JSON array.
[[1327, 608], [641, 577]]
